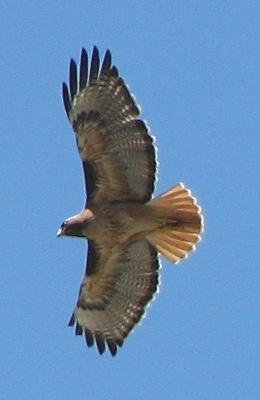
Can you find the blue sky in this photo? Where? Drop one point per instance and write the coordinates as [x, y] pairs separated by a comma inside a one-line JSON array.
[[194, 69]]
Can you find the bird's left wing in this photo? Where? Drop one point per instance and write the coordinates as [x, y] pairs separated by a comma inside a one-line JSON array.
[[118, 285]]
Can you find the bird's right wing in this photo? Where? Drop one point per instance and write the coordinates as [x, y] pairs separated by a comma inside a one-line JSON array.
[[116, 149]]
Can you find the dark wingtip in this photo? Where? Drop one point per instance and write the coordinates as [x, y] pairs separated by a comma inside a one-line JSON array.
[[89, 338], [78, 329], [72, 320], [66, 99], [100, 342], [120, 342], [73, 79], [87, 74], [83, 74], [113, 72], [95, 49], [94, 66], [106, 65], [112, 347]]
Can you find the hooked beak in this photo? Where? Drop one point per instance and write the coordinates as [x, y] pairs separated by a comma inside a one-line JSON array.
[[60, 232]]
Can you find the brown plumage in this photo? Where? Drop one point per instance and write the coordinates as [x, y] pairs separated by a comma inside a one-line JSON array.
[[125, 228]]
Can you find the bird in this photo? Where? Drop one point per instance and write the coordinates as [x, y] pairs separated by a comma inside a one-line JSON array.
[[125, 226]]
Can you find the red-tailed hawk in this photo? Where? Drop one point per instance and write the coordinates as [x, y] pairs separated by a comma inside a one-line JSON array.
[[125, 227]]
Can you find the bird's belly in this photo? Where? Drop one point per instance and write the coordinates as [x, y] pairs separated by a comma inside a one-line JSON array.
[[122, 222]]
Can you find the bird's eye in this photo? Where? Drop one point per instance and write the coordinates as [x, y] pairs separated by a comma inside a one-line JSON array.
[[64, 224]]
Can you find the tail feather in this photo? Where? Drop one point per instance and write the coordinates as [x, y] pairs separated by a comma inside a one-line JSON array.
[[182, 226]]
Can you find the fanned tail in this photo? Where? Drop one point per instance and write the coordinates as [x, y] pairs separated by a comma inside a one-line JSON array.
[[182, 223]]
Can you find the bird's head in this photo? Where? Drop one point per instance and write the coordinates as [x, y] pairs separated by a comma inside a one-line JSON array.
[[76, 225]]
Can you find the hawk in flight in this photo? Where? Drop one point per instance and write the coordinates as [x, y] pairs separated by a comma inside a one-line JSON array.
[[125, 227]]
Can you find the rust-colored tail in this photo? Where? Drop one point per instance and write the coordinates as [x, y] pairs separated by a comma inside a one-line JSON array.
[[182, 226]]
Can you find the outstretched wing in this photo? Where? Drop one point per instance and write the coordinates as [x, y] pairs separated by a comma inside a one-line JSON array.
[[117, 152], [118, 285]]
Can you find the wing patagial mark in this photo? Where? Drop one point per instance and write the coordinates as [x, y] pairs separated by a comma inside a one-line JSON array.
[[84, 118]]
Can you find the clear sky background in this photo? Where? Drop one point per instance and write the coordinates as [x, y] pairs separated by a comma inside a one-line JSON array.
[[194, 68]]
